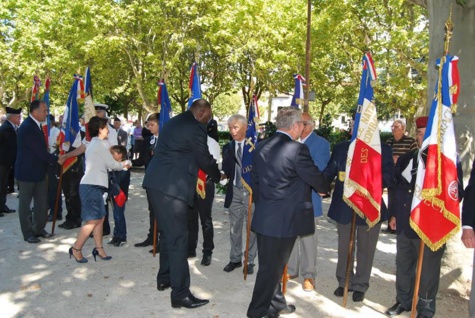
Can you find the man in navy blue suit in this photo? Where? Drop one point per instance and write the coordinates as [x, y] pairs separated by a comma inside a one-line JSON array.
[[282, 176], [31, 163], [468, 233]]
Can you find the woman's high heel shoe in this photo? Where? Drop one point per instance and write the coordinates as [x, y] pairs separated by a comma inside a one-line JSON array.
[[95, 253], [82, 260]]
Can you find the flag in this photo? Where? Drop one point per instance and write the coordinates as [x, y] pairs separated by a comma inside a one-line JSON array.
[[35, 90], [363, 187], [164, 102], [70, 125], [89, 109], [250, 144], [298, 98], [194, 86], [435, 213], [47, 127]]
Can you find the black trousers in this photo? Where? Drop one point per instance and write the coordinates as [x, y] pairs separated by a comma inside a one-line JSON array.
[[4, 173], [202, 208], [11, 180], [274, 253], [172, 217], [151, 219], [70, 186], [53, 190]]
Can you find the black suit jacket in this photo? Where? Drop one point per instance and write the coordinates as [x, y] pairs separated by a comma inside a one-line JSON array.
[[146, 153], [229, 169], [404, 191], [282, 176], [339, 210], [32, 155], [468, 209], [181, 149], [8, 145]]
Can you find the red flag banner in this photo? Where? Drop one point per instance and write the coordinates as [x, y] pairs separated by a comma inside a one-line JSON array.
[[363, 186], [435, 214]]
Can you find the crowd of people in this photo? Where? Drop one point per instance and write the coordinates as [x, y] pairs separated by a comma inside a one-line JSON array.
[[291, 172]]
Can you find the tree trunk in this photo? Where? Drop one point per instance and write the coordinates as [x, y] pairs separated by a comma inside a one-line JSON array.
[[462, 45]]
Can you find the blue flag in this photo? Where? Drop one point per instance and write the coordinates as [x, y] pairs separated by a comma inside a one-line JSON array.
[[194, 86], [165, 105], [70, 126], [298, 98], [250, 144]]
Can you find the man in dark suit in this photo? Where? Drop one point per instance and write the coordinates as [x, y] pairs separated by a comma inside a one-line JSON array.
[[8, 149], [340, 211], [237, 196], [468, 233], [282, 177], [408, 242], [31, 163], [170, 181]]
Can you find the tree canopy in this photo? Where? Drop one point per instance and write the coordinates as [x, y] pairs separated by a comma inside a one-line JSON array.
[[250, 47]]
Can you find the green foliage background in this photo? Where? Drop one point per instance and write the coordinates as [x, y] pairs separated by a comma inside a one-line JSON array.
[[243, 48]]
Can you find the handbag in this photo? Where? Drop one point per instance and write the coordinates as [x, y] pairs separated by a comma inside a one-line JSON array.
[[120, 198]]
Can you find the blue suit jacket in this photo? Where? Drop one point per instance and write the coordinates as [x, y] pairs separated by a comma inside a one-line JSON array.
[[282, 176], [32, 155], [229, 169], [320, 152], [339, 210]]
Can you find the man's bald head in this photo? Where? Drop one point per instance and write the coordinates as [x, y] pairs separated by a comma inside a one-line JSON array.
[[201, 109]]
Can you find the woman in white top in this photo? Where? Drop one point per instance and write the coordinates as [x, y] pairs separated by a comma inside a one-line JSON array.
[[93, 185]]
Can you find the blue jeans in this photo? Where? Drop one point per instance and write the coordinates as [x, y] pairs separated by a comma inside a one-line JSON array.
[[120, 229]]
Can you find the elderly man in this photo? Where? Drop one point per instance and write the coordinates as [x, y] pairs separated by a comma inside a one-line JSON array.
[[400, 144], [32, 160], [8, 150], [408, 242], [237, 196], [282, 177], [304, 253]]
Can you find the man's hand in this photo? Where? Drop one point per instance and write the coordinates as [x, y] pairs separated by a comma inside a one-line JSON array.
[[468, 238], [223, 176], [61, 159], [392, 223]]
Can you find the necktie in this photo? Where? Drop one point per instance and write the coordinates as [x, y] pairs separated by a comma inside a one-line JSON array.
[[238, 166]]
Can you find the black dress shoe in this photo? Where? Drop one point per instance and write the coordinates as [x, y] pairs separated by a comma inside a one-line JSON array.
[[189, 302], [1, 214], [163, 286], [339, 291], [250, 269], [145, 243], [287, 310], [67, 225], [231, 266], [32, 239], [8, 210], [113, 240], [44, 234], [358, 296], [157, 249], [206, 261], [396, 310]]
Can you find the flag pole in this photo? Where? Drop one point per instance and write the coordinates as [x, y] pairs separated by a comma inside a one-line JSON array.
[[284, 279], [350, 257], [415, 297], [448, 36], [155, 228], [58, 196], [307, 55], [248, 235]]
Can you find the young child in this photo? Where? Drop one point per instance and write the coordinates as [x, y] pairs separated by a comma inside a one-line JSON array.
[[122, 179]]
